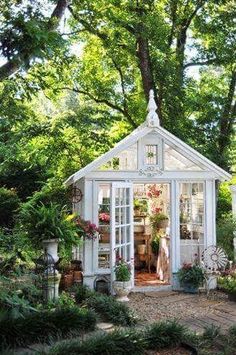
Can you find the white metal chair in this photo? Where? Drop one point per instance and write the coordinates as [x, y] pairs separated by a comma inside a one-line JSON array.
[[213, 260]]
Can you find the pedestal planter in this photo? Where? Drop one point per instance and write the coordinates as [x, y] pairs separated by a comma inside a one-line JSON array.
[[51, 292], [51, 247], [122, 289], [189, 288]]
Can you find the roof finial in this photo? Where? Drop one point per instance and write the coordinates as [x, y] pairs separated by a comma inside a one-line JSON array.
[[152, 117]]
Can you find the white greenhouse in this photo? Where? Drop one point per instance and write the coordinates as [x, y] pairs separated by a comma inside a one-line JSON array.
[[150, 173]]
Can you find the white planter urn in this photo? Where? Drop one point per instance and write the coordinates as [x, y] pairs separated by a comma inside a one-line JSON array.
[[122, 289], [51, 247]]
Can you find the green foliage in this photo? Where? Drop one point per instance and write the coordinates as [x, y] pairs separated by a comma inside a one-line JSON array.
[[82, 292], [225, 234], [18, 297], [228, 282], [47, 222], [191, 274], [122, 271], [9, 204], [64, 300], [224, 201], [109, 309], [117, 342], [42, 326], [155, 242], [164, 334]]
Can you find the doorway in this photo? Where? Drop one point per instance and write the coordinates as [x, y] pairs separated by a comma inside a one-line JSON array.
[[151, 234]]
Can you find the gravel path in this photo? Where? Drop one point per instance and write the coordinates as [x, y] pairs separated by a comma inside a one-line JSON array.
[[187, 308]]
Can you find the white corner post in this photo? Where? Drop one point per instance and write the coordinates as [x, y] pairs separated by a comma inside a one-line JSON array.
[[233, 191]]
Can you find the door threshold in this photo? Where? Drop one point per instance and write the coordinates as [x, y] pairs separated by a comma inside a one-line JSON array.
[[152, 288]]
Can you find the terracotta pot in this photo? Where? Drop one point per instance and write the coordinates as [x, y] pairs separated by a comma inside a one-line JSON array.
[[122, 289], [78, 276], [67, 281], [141, 249]]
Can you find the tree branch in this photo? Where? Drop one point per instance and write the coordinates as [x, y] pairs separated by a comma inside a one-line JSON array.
[[103, 101], [206, 62], [13, 65]]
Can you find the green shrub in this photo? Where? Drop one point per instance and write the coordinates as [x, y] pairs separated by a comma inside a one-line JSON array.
[[164, 334], [18, 298], [9, 204], [224, 201], [225, 234], [118, 342], [109, 309], [82, 292], [41, 326]]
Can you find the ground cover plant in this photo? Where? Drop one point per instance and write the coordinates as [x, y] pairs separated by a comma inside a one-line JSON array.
[[43, 325], [156, 337], [107, 307]]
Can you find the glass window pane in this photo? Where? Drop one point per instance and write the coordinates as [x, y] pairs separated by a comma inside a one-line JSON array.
[[151, 154], [125, 160], [173, 160]]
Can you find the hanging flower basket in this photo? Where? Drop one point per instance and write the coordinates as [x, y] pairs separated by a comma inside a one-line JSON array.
[[86, 229]]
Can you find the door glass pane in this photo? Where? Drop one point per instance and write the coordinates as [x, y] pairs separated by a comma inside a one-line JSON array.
[[122, 249], [123, 215], [104, 226], [128, 252], [117, 215], [191, 221], [117, 233], [127, 215], [127, 196], [123, 234], [128, 234]]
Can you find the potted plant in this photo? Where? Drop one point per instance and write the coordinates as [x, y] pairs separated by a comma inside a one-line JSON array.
[[190, 277], [159, 221], [122, 284], [137, 207], [227, 282], [46, 225]]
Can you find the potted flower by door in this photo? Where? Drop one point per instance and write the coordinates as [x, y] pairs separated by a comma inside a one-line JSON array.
[[228, 284], [190, 277], [122, 284]]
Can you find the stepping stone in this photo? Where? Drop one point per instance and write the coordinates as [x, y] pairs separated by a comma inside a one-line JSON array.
[[105, 326]]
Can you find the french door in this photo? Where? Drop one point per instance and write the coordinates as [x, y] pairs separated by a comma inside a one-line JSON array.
[[122, 236]]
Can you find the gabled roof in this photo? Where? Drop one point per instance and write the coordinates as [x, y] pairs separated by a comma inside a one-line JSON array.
[[150, 125]]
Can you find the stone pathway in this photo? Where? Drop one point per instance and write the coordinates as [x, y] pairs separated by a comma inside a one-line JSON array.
[[194, 311]]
